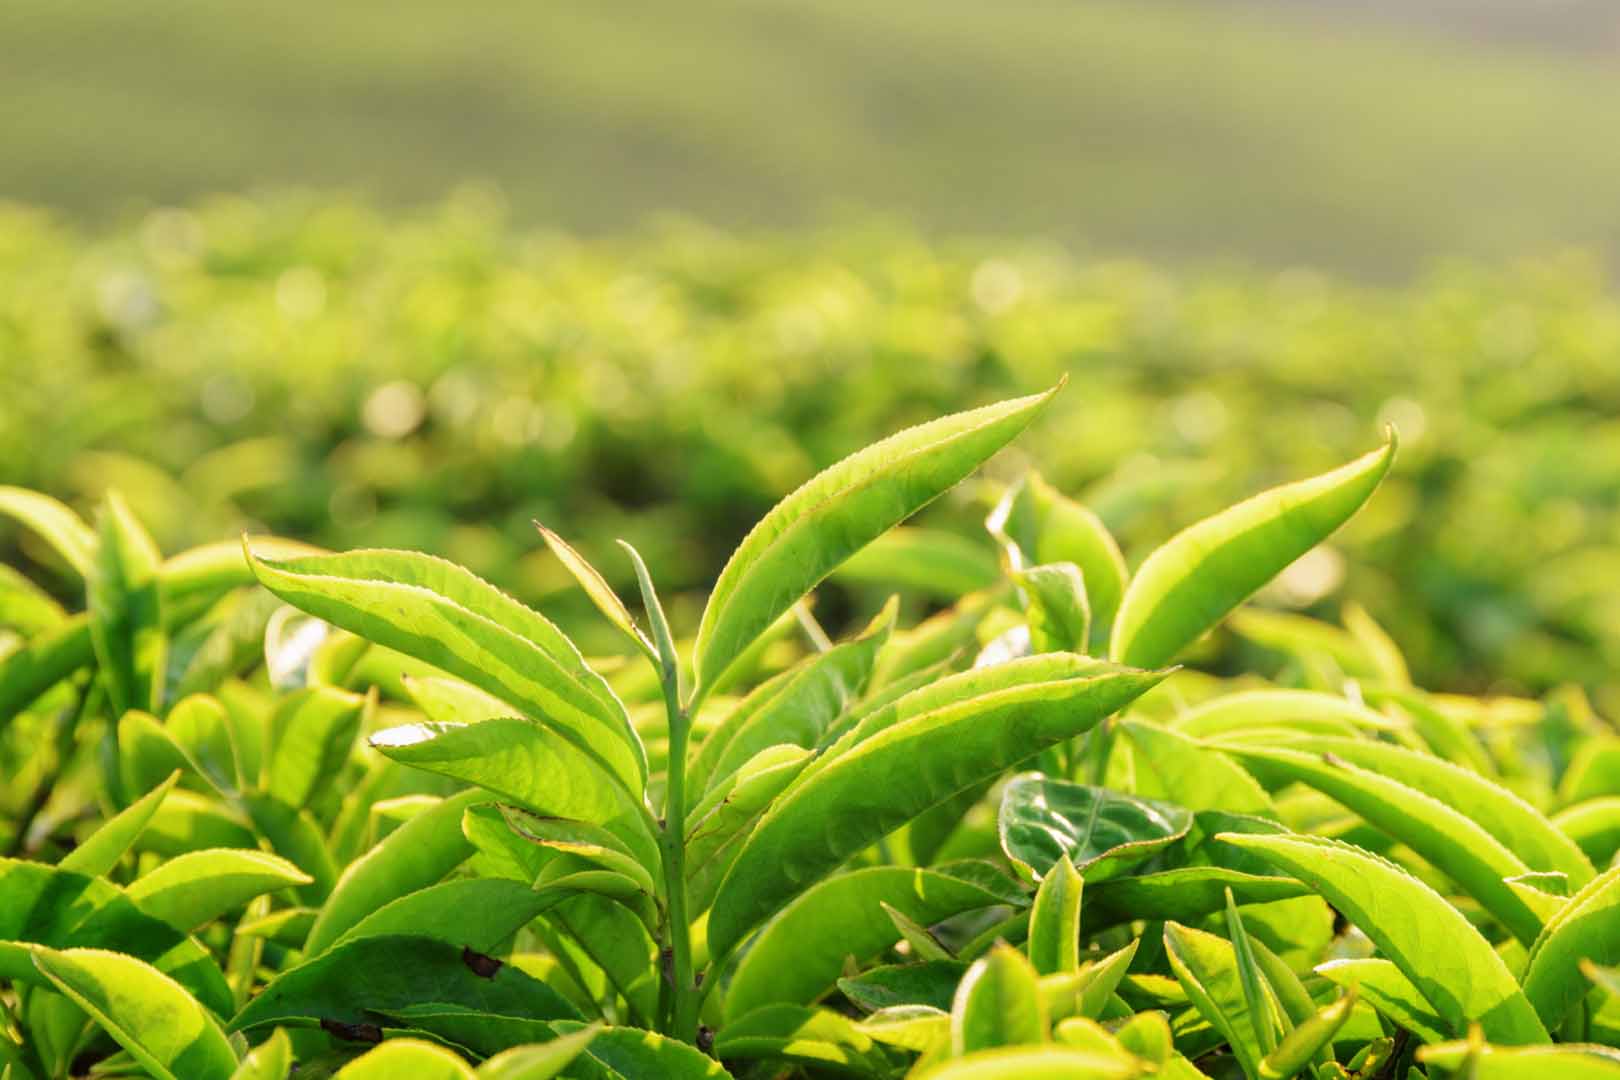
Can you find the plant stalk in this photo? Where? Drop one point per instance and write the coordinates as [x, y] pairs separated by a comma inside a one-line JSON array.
[[681, 1014]]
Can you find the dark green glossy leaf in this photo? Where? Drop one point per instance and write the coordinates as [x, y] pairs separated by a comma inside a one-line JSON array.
[[1101, 831], [348, 981]]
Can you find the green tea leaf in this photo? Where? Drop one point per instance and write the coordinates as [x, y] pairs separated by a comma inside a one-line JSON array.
[[1586, 928], [838, 512], [1021, 1063], [1381, 984], [439, 613], [529, 764], [412, 857], [600, 592], [799, 954], [1188, 585], [795, 709], [1293, 1055], [1466, 982], [998, 1004], [195, 888], [1208, 970], [1201, 779], [270, 1060], [311, 736], [1054, 920], [1518, 826], [888, 777], [102, 849], [56, 524], [1485, 1062], [479, 913], [126, 614], [1100, 830], [145, 1011], [1181, 894], [348, 982], [1048, 527], [1451, 841], [816, 1039], [416, 1058], [45, 905], [1059, 611], [538, 1061]]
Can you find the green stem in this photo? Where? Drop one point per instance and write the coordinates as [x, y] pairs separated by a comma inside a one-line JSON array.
[[682, 989]]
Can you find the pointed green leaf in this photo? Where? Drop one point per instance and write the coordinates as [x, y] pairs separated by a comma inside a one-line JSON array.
[[1518, 826], [311, 736], [1182, 894], [800, 953], [102, 849], [1188, 585], [796, 709], [126, 615], [47, 659], [1449, 840], [1059, 612], [998, 1004], [1466, 982], [890, 776], [1048, 527], [196, 888], [1054, 920], [1293, 1055], [1587, 928], [1304, 710], [439, 613], [527, 763], [270, 1060], [840, 511], [1380, 984], [632, 1054], [146, 1012], [1483, 1062], [383, 974], [538, 1061], [479, 913], [600, 592], [1201, 779], [55, 523], [413, 856], [1208, 970], [415, 1058]]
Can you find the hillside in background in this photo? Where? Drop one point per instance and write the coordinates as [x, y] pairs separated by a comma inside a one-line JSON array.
[[1371, 139]]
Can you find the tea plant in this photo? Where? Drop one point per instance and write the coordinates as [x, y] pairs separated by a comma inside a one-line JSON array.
[[365, 814]]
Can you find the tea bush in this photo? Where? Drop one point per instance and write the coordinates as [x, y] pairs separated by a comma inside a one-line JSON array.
[[366, 814], [435, 382]]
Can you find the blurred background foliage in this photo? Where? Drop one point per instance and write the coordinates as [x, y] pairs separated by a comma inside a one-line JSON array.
[[437, 379], [557, 340]]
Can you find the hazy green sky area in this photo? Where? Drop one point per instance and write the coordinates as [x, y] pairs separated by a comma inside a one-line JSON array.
[[1310, 133]]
